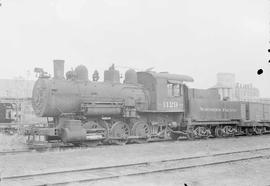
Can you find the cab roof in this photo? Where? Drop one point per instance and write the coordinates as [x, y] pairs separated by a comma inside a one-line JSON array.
[[171, 77]]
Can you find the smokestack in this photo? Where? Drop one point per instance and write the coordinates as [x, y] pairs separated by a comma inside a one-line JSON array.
[[58, 69]]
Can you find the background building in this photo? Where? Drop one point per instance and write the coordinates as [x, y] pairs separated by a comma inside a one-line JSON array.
[[18, 92], [16, 88], [225, 86], [264, 100], [228, 89], [246, 92]]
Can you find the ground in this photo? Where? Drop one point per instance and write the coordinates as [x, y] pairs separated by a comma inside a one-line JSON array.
[[251, 173], [10, 142], [254, 172]]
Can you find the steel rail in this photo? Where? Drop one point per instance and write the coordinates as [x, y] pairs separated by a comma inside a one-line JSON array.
[[66, 148], [145, 165], [14, 152]]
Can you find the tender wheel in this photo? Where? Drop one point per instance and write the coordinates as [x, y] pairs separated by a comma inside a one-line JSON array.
[[258, 130], [202, 132], [218, 132], [119, 133], [247, 132], [174, 136], [140, 129], [190, 135]]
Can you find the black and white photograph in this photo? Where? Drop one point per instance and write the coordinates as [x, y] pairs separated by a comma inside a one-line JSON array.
[[135, 93]]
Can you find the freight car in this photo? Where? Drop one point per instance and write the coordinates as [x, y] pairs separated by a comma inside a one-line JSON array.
[[146, 106]]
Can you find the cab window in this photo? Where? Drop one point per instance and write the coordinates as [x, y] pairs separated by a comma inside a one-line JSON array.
[[170, 89], [174, 90]]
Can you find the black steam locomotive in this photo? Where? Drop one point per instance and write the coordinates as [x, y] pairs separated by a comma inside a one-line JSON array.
[[146, 106]]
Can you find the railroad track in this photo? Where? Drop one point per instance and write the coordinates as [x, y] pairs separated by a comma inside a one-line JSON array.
[[9, 152], [20, 151], [135, 169]]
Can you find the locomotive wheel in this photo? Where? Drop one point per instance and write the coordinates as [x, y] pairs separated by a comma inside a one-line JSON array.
[[91, 125], [119, 130], [140, 129], [105, 125]]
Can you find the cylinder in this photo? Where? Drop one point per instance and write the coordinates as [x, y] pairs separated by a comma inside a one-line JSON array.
[[58, 69]]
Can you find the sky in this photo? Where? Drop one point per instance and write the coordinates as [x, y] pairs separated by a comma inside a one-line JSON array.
[[192, 37]]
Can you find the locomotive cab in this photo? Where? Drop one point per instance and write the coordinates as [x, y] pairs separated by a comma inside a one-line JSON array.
[[166, 90], [167, 102]]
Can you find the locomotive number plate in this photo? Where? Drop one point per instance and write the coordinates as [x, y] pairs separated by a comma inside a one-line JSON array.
[[170, 104]]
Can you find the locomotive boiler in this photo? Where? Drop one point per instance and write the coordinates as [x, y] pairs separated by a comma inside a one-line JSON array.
[[76, 94], [84, 110]]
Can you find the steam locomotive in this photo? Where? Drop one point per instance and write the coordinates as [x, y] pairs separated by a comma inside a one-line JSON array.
[[146, 106]]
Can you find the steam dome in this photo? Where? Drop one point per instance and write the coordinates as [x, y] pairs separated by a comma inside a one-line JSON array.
[[81, 72], [131, 76]]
